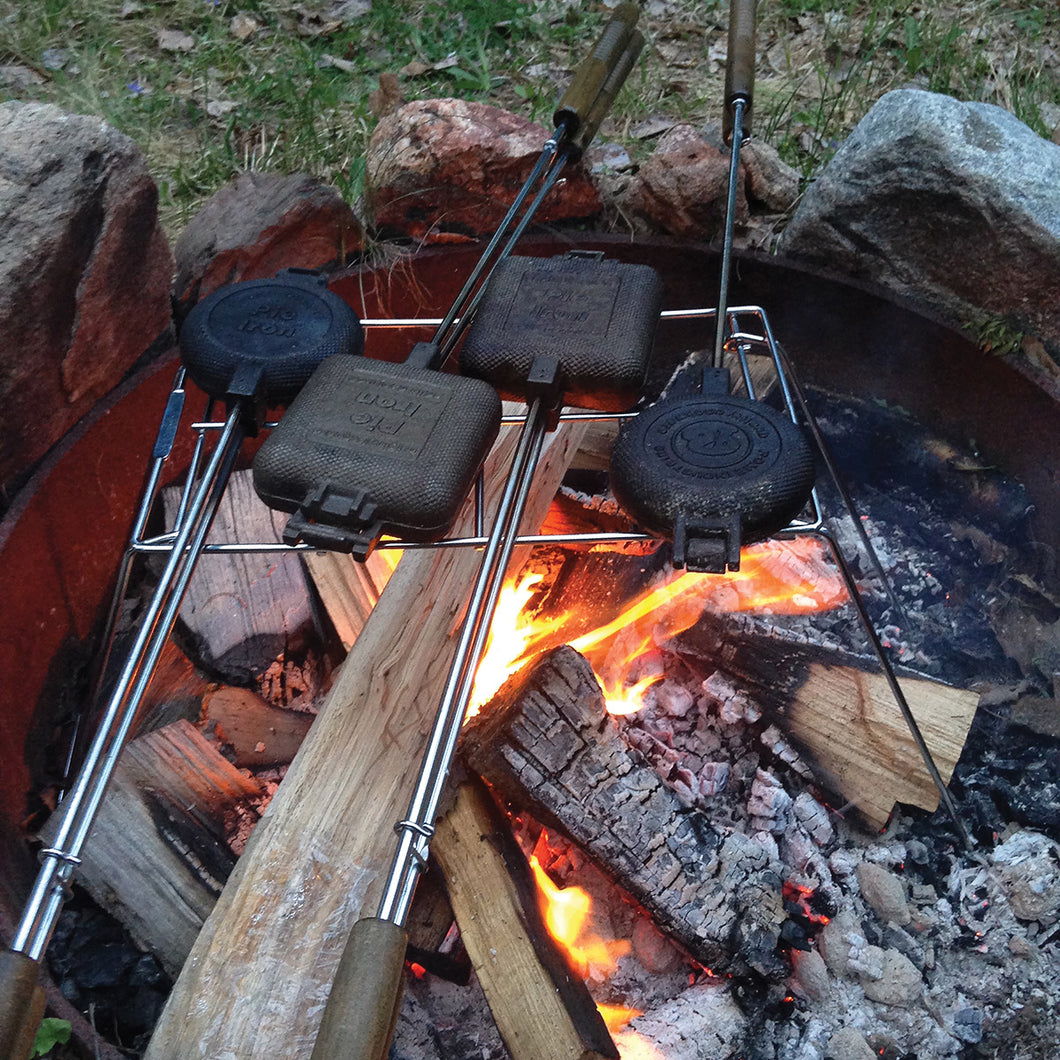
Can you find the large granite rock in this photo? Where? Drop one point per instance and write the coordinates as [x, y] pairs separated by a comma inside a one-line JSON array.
[[258, 224], [85, 273], [953, 204], [441, 170]]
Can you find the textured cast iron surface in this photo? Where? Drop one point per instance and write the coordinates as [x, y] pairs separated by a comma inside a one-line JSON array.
[[597, 317], [410, 438], [707, 457], [286, 326]]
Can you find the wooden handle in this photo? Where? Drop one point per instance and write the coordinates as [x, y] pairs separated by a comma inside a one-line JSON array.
[[740, 65], [594, 71], [617, 78], [363, 1006], [21, 1004]]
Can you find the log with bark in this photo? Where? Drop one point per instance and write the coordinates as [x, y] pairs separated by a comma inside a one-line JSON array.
[[840, 712], [243, 610], [261, 969]]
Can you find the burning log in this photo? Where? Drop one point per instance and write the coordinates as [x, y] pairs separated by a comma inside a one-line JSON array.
[[318, 857], [546, 742], [159, 854], [542, 1010]]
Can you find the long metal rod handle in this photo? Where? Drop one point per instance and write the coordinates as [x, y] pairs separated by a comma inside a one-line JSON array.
[[450, 712], [80, 806], [793, 386], [730, 225], [550, 178], [467, 682], [456, 310], [896, 689]]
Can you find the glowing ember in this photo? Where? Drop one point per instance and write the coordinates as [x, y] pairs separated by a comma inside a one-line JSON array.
[[634, 1046], [566, 911]]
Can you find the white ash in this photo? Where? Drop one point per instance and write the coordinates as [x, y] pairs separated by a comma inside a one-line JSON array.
[[898, 963]]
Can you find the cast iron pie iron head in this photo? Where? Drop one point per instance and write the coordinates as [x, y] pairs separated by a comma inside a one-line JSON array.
[[596, 317], [711, 472], [372, 447], [262, 339]]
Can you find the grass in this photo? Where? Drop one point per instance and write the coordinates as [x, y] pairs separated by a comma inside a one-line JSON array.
[[211, 87]]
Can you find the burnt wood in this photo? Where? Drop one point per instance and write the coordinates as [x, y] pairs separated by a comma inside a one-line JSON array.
[[547, 743]]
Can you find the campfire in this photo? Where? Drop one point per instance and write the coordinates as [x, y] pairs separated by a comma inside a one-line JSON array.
[[752, 892]]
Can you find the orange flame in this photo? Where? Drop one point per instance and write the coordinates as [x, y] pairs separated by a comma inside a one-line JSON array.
[[780, 577], [567, 916]]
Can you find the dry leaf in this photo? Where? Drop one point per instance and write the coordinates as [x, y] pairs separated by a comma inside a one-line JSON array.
[[414, 69], [175, 40], [243, 26], [344, 65], [387, 98]]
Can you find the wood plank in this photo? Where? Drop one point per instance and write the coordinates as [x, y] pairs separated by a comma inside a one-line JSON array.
[[542, 1009], [261, 969], [157, 857]]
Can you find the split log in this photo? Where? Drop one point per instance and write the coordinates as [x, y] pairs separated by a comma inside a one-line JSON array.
[[542, 1009], [158, 857], [244, 610], [546, 742], [260, 972], [348, 589], [847, 721], [843, 716], [258, 733]]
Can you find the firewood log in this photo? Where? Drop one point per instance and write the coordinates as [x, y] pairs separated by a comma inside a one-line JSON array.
[[546, 742], [261, 969]]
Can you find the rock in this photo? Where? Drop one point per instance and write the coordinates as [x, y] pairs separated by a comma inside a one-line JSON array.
[[681, 189], [84, 272], [441, 170], [899, 983], [848, 1044], [884, 892], [1028, 865], [952, 204], [260, 223], [811, 975]]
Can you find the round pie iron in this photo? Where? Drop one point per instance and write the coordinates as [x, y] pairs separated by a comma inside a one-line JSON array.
[[711, 472]]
